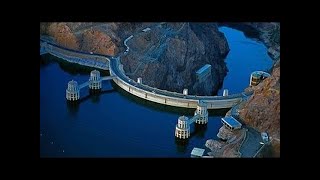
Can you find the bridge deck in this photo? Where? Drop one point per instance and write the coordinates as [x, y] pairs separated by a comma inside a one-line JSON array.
[[193, 119], [104, 78], [84, 85]]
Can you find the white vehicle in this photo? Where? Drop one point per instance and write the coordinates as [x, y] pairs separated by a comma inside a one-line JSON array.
[[146, 29]]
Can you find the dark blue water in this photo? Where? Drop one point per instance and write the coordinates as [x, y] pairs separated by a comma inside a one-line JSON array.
[[246, 55], [116, 124]]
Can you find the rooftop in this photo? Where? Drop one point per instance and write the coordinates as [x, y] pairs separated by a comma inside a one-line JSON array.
[[73, 82], [197, 152], [183, 118], [203, 68], [260, 73], [231, 121]]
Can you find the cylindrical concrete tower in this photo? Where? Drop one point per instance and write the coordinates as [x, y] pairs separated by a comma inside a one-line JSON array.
[[73, 92], [255, 78], [258, 76], [203, 112], [182, 128], [95, 80]]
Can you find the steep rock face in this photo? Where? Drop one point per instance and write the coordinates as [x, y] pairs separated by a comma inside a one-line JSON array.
[[98, 42], [269, 32], [87, 37], [168, 56], [266, 32], [262, 111], [63, 35]]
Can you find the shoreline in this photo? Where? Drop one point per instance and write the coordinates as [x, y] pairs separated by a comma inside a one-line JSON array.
[[73, 56], [258, 35]]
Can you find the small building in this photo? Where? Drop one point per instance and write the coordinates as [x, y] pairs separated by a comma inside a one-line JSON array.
[[203, 72], [197, 152], [185, 91], [225, 92], [265, 137], [139, 80], [231, 123]]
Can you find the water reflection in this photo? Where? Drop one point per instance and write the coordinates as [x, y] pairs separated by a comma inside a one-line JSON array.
[[106, 138], [94, 95], [197, 130], [73, 107], [181, 145], [200, 130], [45, 60], [162, 107], [71, 68], [248, 31]]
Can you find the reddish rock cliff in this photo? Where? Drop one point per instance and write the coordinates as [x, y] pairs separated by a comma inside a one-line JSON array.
[[87, 37], [262, 111], [63, 35], [166, 57], [98, 42]]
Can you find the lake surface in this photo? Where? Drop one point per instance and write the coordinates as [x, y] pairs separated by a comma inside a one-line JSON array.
[[246, 55], [116, 124]]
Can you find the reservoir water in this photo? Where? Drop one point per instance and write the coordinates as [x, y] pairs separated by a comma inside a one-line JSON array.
[[116, 124]]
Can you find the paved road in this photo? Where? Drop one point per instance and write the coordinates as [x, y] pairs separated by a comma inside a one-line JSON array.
[[251, 144], [115, 65]]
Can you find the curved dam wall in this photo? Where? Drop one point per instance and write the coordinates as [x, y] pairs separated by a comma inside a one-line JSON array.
[[81, 58], [172, 99], [140, 90]]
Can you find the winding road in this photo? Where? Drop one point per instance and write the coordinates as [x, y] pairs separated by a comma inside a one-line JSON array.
[[146, 92]]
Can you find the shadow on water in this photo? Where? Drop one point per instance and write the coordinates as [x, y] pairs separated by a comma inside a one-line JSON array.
[[45, 60], [247, 30], [181, 145], [197, 130], [162, 107], [72, 107], [71, 68], [94, 95]]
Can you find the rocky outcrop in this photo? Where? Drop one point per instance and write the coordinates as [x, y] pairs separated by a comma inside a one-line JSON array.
[[269, 32], [213, 144], [168, 56], [230, 145], [62, 35], [262, 111], [225, 134], [87, 37], [98, 42], [266, 32]]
